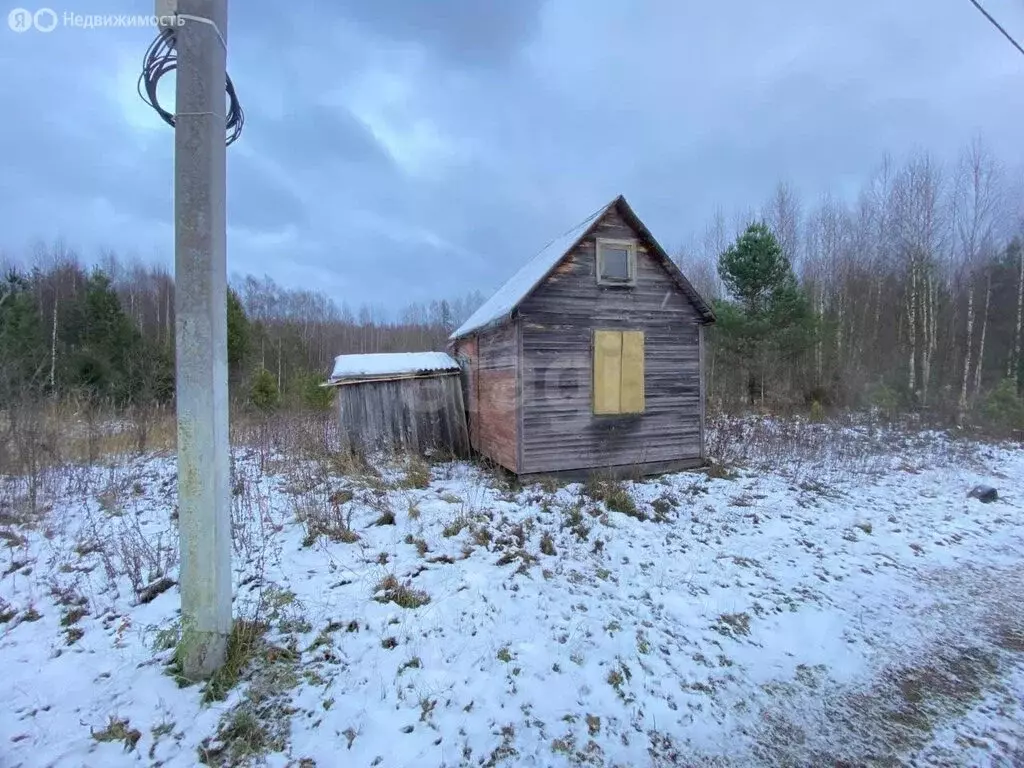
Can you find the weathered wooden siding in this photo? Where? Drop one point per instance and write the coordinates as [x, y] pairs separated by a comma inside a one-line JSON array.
[[404, 415], [465, 351], [559, 430], [492, 382]]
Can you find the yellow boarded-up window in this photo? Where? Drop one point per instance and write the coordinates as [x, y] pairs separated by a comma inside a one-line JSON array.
[[618, 372]]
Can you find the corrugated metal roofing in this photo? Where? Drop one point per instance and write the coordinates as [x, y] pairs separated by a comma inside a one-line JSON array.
[[391, 363]]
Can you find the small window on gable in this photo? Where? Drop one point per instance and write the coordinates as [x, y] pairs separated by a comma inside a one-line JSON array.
[[616, 262]]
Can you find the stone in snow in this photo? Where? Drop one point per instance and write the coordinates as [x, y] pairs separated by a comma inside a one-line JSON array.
[[150, 592], [983, 493]]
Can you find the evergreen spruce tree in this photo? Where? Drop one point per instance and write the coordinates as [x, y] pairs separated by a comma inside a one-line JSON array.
[[23, 350], [263, 393], [239, 335]]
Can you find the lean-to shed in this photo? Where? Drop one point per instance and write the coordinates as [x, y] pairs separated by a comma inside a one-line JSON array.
[[590, 357], [402, 402]]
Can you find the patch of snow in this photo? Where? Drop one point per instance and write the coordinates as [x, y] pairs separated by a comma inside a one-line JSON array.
[[385, 363], [791, 613]]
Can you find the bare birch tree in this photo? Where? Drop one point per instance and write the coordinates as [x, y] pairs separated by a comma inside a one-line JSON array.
[[975, 206]]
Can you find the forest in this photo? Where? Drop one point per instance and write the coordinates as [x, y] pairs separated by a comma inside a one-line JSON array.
[[907, 298]]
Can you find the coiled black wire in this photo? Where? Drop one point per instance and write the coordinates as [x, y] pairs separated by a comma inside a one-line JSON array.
[[162, 58]]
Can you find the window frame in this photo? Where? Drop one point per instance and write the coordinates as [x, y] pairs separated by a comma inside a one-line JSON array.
[[630, 247]]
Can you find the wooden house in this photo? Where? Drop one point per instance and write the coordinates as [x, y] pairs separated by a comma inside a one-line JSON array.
[[589, 358], [409, 402]]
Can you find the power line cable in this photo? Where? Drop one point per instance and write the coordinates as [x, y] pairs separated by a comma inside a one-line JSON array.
[[162, 58], [998, 26]]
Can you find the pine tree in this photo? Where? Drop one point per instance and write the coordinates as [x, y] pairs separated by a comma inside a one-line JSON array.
[[107, 359], [263, 393], [311, 394], [770, 315]]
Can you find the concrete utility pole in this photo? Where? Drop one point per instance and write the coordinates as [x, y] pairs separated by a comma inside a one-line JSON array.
[[200, 301]]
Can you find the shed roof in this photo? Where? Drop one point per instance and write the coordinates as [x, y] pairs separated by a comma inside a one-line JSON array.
[[503, 303], [390, 364]]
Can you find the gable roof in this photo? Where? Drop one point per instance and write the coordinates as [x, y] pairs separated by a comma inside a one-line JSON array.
[[499, 308]]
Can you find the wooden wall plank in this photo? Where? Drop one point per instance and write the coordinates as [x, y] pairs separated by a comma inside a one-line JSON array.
[[496, 434], [412, 415], [557, 323]]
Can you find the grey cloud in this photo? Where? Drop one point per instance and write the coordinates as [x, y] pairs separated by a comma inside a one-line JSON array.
[[314, 135], [256, 201], [462, 31], [499, 125]]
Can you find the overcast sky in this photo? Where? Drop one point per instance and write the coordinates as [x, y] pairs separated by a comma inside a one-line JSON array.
[[401, 150]]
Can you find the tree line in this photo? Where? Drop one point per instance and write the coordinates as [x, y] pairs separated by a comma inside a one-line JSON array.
[[907, 297], [104, 335], [910, 296]]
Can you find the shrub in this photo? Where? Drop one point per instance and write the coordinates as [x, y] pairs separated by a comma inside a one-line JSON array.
[[311, 394], [817, 412], [885, 399], [325, 518], [1002, 410], [263, 392]]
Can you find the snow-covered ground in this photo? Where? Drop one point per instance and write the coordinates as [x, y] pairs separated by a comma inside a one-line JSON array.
[[833, 596]]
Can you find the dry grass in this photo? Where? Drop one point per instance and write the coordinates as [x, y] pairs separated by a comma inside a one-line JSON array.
[[6, 611], [118, 730], [322, 516], [848, 446], [455, 526], [614, 494], [387, 517], [243, 735], [246, 643], [161, 436], [51, 435], [421, 545], [733, 624], [417, 474], [390, 590], [1010, 639], [547, 544]]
